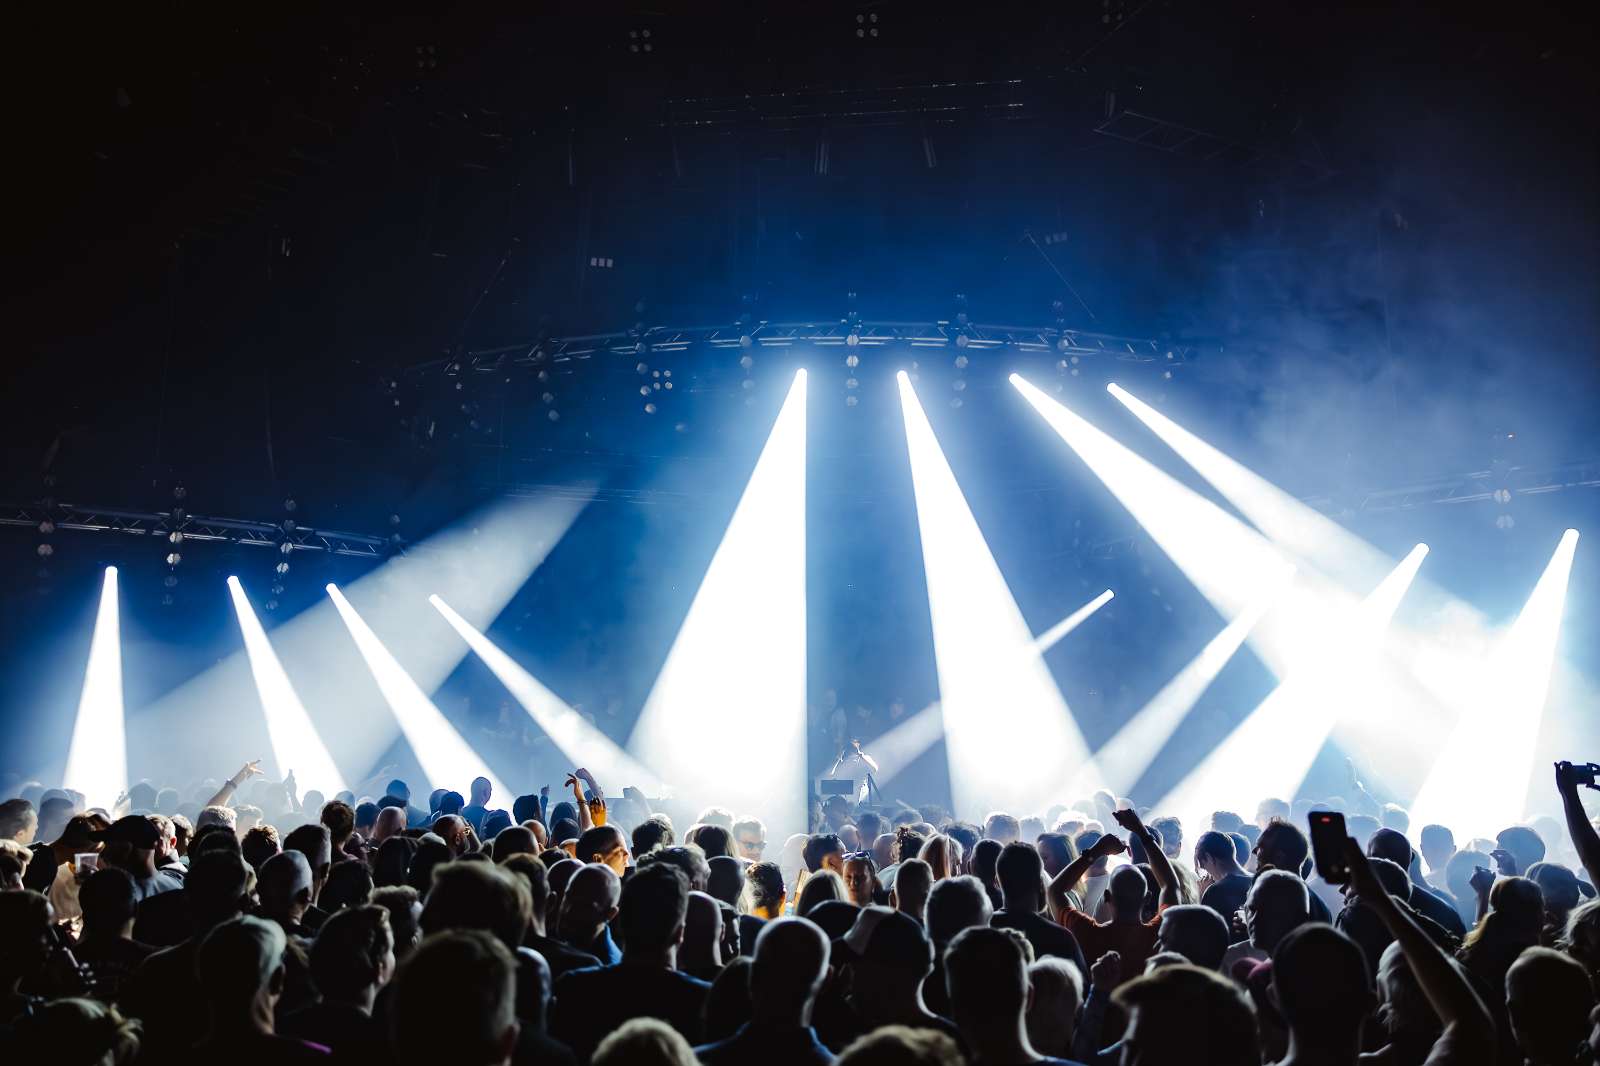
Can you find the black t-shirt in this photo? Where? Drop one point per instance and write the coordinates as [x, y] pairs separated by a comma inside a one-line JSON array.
[[1227, 896], [343, 1027], [1047, 937], [563, 958], [591, 1003]]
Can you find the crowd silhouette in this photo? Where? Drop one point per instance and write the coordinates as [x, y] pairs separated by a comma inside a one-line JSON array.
[[250, 922]]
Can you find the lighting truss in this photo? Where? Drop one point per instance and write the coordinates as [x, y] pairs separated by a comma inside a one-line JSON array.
[[250, 534]]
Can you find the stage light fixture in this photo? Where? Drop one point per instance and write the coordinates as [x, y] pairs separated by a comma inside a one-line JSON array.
[[1333, 668], [1497, 734], [444, 755], [97, 759], [296, 745], [732, 692], [993, 683], [580, 742]]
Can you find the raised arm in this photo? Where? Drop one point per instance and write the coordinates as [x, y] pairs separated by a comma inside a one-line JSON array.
[[1068, 879], [1160, 865], [585, 822], [1466, 1021], [230, 786], [1584, 838]]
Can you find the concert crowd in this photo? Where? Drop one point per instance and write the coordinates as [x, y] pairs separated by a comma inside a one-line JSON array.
[[247, 921]]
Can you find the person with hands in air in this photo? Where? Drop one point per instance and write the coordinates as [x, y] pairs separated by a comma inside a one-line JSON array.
[[231, 785], [1125, 932], [1585, 841], [1469, 1034], [591, 811]]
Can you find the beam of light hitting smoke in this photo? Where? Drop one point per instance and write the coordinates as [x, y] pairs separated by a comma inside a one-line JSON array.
[[295, 743], [1293, 526], [446, 758], [1269, 753], [1132, 749], [480, 561], [1052, 636], [580, 742], [732, 692], [1232, 565], [906, 742], [1479, 783], [993, 684], [97, 760]]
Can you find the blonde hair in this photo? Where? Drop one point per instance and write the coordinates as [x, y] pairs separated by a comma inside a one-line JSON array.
[[86, 1031], [644, 1042], [943, 855]]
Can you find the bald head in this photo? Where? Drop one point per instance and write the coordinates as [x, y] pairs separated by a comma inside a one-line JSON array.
[[1277, 903], [1127, 891], [702, 930], [391, 822], [790, 961]]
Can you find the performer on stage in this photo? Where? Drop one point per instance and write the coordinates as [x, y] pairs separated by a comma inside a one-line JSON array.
[[856, 765]]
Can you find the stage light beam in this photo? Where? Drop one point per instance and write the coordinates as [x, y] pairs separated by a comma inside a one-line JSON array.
[[446, 758], [97, 759], [580, 742], [296, 745], [1479, 783], [1009, 733], [1124, 758], [1269, 753], [1232, 565], [1052, 636], [732, 691]]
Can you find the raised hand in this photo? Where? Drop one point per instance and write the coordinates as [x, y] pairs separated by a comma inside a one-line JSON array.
[[1504, 861], [1129, 820], [1108, 846], [1106, 973], [1482, 880], [1363, 881], [249, 770]]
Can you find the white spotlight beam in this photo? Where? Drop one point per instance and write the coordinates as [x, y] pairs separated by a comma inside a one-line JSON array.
[[1132, 749], [1271, 750], [905, 743], [1479, 783], [580, 742], [445, 757], [97, 760], [731, 695], [479, 562], [1052, 636], [1232, 565], [1293, 526], [1010, 736], [295, 743]]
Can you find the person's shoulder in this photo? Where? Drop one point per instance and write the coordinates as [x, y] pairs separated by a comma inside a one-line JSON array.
[[583, 975]]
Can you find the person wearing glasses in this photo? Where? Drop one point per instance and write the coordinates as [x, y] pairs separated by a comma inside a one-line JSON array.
[[749, 838]]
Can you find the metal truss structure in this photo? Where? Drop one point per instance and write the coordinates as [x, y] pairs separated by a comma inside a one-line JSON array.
[[842, 333], [1499, 486], [1175, 139], [178, 527]]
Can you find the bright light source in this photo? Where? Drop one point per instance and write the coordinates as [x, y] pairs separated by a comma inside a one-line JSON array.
[[1231, 564], [732, 692], [1498, 732], [1271, 750], [97, 761], [580, 742], [295, 743], [1124, 758], [479, 561], [446, 758], [993, 684], [1052, 636]]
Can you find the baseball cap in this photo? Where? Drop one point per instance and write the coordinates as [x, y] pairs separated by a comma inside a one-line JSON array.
[[134, 829], [885, 937]]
